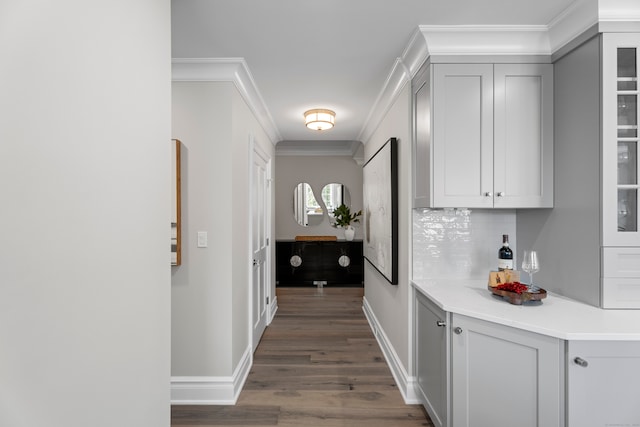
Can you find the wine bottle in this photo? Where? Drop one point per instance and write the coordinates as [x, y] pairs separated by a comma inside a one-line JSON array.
[[505, 255]]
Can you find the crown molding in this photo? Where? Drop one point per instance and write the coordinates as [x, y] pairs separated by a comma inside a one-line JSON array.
[[319, 148], [396, 81], [233, 70], [486, 39], [415, 53]]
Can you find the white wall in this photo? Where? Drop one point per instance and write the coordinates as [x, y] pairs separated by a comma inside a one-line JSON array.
[[85, 190], [201, 295], [210, 290], [389, 302], [317, 171]]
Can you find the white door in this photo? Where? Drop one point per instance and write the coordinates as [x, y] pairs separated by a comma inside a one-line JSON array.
[[260, 242]]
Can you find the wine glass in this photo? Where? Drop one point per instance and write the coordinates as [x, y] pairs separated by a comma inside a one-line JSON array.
[[531, 264]]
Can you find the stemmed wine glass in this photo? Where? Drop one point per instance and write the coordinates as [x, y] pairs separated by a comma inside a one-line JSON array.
[[531, 264]]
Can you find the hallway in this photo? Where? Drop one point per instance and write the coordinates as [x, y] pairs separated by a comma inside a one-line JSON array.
[[318, 364]]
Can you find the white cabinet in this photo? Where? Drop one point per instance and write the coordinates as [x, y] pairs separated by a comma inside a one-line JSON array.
[[603, 383], [483, 135], [620, 116], [432, 359], [504, 377], [620, 172]]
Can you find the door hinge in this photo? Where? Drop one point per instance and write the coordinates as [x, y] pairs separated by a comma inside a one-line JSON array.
[[267, 300], [267, 241]]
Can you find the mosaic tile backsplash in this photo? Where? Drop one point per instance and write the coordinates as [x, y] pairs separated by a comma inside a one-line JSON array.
[[459, 243]]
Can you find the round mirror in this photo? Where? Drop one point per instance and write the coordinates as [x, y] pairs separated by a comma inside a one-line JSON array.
[[306, 209], [334, 195]]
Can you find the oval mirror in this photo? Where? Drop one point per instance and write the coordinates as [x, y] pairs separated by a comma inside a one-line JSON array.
[[306, 209], [334, 195]]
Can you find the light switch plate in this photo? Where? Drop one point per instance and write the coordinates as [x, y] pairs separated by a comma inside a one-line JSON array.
[[202, 239]]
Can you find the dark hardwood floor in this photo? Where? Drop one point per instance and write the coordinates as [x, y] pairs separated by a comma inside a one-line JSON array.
[[318, 364]]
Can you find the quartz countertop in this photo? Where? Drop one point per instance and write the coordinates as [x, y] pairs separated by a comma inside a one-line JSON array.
[[555, 316]]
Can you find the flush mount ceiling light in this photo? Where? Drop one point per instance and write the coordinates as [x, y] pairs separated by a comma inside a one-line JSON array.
[[319, 119]]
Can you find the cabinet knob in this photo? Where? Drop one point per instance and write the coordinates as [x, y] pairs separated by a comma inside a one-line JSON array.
[[500, 194], [581, 362], [458, 330], [488, 194], [440, 323]]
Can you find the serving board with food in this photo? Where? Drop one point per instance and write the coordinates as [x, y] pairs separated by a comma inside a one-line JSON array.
[[506, 284]]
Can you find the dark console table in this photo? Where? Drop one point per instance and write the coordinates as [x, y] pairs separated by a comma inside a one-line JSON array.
[[300, 263]]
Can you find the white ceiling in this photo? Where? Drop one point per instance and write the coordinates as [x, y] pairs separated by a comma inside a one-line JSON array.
[[332, 54]]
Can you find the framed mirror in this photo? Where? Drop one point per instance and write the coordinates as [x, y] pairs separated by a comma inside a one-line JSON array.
[[176, 228], [306, 209]]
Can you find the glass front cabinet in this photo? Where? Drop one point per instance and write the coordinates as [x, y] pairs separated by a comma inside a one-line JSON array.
[[620, 273], [620, 139]]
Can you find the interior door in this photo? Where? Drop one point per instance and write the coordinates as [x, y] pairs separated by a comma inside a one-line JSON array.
[[260, 242]]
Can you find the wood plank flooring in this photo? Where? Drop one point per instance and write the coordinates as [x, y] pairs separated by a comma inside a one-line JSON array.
[[319, 365]]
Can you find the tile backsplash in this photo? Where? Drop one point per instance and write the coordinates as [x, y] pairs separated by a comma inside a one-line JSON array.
[[459, 243]]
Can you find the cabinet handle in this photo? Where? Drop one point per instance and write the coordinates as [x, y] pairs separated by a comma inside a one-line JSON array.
[[458, 330], [440, 323], [581, 362], [488, 194], [500, 194]]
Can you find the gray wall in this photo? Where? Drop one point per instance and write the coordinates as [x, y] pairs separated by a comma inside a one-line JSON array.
[[568, 236], [390, 303], [210, 290], [85, 117], [316, 171]]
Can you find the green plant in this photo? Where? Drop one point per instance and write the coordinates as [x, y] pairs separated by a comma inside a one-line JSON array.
[[344, 217]]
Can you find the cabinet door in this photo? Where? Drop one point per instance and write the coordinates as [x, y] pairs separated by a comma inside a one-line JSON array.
[[603, 383], [504, 377], [462, 135], [523, 135], [421, 90], [620, 116], [432, 365]]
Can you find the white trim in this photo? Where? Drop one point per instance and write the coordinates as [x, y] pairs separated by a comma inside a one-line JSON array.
[[273, 308], [227, 70], [415, 53], [211, 390], [396, 81], [405, 383], [571, 23], [486, 39], [322, 148]]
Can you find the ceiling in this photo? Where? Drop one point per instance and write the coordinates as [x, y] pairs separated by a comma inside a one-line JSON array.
[[334, 54]]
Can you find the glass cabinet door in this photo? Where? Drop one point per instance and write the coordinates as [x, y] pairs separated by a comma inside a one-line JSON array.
[[620, 139], [627, 133]]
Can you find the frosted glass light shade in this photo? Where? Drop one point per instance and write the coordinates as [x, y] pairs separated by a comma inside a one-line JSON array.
[[319, 119]]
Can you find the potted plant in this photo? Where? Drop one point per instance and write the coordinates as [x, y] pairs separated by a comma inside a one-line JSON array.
[[344, 218]]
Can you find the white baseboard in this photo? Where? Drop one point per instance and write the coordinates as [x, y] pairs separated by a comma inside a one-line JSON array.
[[273, 308], [405, 383], [211, 390]]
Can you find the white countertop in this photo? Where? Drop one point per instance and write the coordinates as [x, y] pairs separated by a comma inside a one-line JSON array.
[[556, 316]]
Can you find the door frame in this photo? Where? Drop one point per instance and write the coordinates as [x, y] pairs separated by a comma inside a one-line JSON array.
[[256, 150]]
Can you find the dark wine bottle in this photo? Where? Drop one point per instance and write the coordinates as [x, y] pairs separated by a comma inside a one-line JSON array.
[[505, 255]]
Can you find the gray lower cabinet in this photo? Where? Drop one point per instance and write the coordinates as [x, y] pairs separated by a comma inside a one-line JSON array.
[[432, 359], [504, 377], [603, 383], [470, 372]]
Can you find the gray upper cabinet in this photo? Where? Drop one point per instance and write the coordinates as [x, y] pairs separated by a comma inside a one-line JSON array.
[[483, 135]]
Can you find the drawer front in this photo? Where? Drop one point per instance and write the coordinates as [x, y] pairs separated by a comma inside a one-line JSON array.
[[621, 292], [620, 262]]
